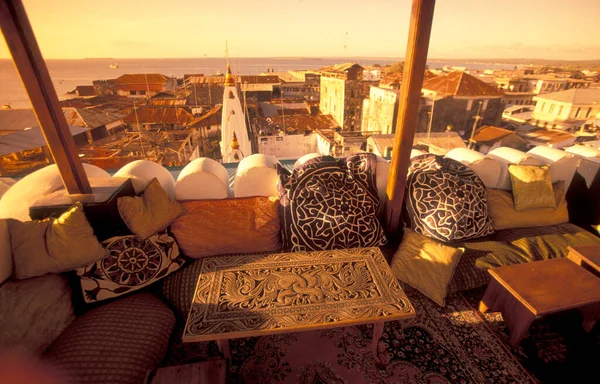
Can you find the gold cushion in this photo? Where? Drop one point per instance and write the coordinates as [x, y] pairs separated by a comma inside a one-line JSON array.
[[504, 215], [240, 225], [531, 187], [426, 265], [53, 245], [150, 213]]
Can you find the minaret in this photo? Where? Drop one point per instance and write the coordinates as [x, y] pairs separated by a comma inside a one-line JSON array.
[[233, 125]]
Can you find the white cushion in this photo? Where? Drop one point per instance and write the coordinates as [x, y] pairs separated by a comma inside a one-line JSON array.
[[416, 152], [256, 176], [6, 263], [5, 184], [16, 201], [202, 179], [563, 165], [305, 158], [506, 156], [486, 168], [141, 172]]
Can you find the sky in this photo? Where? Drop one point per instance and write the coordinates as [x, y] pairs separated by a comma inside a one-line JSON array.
[[547, 29]]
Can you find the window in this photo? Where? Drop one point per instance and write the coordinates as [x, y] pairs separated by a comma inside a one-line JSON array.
[[578, 112], [469, 105], [543, 107], [132, 93], [560, 109], [588, 113], [551, 109], [485, 104]]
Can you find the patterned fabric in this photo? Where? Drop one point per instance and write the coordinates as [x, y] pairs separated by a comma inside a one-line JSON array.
[[330, 204], [116, 343], [131, 264], [516, 245], [439, 345], [445, 200], [34, 312]]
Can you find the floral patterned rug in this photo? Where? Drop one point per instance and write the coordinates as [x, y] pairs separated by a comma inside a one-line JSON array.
[[454, 344]]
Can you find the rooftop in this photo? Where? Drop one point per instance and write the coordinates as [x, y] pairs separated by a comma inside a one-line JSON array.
[[583, 96], [16, 120], [157, 115], [141, 78], [489, 134], [459, 83]]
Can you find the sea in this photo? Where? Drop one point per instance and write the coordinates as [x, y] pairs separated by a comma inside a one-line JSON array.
[[67, 74]]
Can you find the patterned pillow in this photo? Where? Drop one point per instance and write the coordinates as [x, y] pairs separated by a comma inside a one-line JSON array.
[[445, 200], [131, 264], [330, 204]]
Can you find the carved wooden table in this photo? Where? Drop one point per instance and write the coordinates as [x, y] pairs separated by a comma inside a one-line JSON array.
[[523, 292], [257, 295]]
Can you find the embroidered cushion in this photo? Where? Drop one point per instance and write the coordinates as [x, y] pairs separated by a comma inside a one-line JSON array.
[[330, 204], [131, 264], [531, 187], [445, 200]]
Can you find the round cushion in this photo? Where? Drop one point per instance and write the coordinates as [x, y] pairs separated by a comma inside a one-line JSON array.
[[446, 200]]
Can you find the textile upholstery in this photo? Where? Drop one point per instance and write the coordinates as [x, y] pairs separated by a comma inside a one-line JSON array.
[[131, 264], [6, 259], [531, 187], [116, 343], [330, 204], [516, 245], [425, 265], [34, 312], [152, 212], [505, 216], [217, 227], [53, 245], [445, 200]]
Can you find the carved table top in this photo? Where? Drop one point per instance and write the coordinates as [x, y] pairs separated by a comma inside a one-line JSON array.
[[251, 295]]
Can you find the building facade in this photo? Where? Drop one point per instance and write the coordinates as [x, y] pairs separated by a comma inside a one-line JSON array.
[[342, 94], [567, 110], [380, 111]]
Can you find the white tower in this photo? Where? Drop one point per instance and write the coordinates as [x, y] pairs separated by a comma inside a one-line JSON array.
[[233, 124]]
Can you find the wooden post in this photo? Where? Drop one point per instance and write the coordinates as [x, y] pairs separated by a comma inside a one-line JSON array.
[[406, 123], [36, 79]]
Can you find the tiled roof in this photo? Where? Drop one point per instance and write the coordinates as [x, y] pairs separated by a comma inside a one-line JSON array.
[[582, 96], [157, 115], [139, 87], [84, 90], [460, 84], [17, 119], [28, 139], [340, 68], [489, 134], [211, 117], [259, 79], [141, 78]]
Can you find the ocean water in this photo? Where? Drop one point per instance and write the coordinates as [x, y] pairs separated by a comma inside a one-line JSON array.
[[67, 74]]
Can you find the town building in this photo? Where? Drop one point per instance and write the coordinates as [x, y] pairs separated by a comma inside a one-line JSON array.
[[341, 94], [233, 121], [571, 110], [536, 136], [101, 123], [459, 101], [380, 111], [136, 85], [155, 118], [438, 143]]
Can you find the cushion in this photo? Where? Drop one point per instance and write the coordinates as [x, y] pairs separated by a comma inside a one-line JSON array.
[[486, 168], [330, 204], [141, 173], [149, 213], [425, 265], [34, 312], [132, 263], [531, 187], [504, 156], [256, 176], [241, 225], [116, 343], [505, 216], [53, 245], [202, 178], [514, 245], [445, 200]]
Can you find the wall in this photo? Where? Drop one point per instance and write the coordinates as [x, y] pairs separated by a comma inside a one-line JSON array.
[[332, 98], [353, 102], [287, 146], [380, 111]]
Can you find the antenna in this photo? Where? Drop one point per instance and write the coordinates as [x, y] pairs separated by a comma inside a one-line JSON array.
[[226, 53]]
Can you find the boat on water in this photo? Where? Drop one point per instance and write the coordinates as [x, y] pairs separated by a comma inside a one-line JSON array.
[[115, 65]]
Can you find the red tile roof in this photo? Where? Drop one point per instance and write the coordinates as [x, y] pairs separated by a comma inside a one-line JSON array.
[[489, 134], [459, 83]]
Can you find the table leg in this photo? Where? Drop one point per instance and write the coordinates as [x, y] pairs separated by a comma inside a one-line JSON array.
[[591, 315], [516, 316], [224, 348], [377, 333]]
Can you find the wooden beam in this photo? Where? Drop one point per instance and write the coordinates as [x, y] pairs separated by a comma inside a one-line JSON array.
[[412, 81], [36, 79]]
